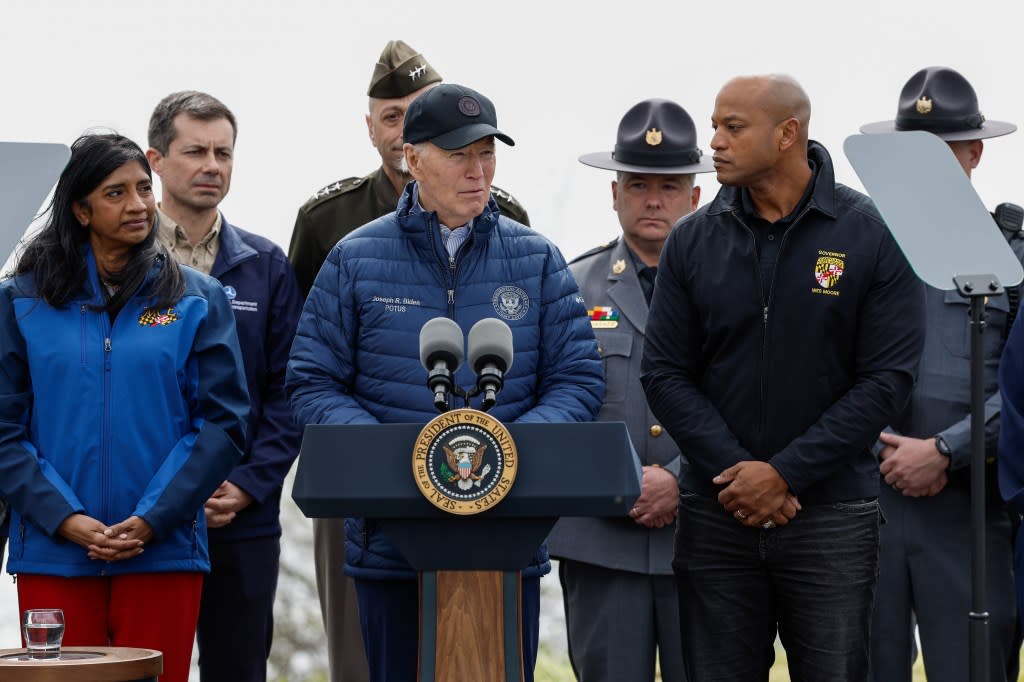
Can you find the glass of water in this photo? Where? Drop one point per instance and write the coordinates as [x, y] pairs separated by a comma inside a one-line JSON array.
[[43, 630]]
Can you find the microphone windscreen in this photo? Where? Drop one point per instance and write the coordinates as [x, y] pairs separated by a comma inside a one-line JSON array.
[[490, 339], [441, 339]]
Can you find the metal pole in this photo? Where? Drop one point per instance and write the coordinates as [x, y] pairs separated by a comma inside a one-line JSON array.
[[978, 617]]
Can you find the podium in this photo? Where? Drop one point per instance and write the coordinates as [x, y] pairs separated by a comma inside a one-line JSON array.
[[577, 469]]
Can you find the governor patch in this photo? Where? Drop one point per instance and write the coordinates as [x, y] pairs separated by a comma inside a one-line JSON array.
[[827, 271]]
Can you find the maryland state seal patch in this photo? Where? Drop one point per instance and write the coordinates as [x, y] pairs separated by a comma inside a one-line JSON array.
[[155, 318]]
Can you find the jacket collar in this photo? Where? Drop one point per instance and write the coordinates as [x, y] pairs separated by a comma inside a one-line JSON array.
[[233, 250], [624, 287], [823, 195], [414, 221], [92, 287]]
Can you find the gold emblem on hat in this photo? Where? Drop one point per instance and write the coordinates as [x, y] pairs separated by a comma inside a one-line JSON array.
[[653, 137], [924, 105], [619, 267]]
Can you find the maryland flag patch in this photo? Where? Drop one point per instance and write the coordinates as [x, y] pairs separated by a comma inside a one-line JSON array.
[[828, 270], [156, 318]]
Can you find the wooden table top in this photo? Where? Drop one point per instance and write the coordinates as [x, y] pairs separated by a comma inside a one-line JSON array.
[[110, 664]]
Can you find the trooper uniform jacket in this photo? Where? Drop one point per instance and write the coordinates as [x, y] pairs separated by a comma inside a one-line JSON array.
[[617, 309]]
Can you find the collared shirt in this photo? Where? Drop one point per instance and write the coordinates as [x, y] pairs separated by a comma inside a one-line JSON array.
[[199, 257], [645, 273], [768, 236], [453, 237]]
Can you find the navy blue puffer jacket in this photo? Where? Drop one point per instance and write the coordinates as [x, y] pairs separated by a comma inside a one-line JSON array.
[[355, 358]]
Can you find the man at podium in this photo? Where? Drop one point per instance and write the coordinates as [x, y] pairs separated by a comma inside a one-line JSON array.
[[447, 251]]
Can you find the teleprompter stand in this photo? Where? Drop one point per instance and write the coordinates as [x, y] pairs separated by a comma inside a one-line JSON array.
[[944, 229], [470, 620], [976, 289]]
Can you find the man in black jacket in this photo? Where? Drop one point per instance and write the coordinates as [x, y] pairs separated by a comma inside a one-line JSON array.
[[785, 330]]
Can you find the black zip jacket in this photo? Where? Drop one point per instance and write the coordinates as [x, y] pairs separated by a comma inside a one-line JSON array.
[[805, 379]]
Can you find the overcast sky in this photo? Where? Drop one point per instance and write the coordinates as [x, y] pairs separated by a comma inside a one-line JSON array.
[[560, 74]]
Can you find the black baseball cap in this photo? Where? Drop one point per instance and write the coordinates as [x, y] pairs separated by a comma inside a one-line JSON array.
[[451, 117]]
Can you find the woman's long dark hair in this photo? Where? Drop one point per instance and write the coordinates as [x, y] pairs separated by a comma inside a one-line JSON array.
[[55, 257]]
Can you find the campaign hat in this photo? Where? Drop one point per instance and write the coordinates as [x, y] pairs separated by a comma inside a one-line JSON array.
[[656, 136], [941, 101]]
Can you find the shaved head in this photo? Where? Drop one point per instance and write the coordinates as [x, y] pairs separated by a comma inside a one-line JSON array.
[[779, 95]]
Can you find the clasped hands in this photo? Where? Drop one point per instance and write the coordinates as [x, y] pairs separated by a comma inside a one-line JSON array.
[[120, 541], [756, 495], [912, 466], [659, 498]]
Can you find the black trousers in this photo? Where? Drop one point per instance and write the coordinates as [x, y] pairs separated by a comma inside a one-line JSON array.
[[236, 614]]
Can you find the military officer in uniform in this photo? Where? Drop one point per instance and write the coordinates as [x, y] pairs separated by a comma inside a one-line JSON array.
[[621, 604], [925, 455], [401, 74]]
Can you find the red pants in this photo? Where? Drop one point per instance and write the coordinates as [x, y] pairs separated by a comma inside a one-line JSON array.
[[144, 610]]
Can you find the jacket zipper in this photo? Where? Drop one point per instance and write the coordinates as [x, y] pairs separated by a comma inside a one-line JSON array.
[[764, 309], [450, 267], [107, 351], [84, 310]]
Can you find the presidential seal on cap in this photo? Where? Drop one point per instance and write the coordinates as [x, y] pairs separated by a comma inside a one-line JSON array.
[[400, 70], [939, 100], [656, 136], [451, 117]]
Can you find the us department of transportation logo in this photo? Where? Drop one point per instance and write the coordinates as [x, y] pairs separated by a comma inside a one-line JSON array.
[[464, 461], [510, 302]]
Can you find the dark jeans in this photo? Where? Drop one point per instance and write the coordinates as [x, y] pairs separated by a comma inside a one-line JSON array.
[[389, 616], [811, 581]]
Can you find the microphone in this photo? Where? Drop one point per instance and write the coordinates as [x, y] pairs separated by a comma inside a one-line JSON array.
[[441, 355], [490, 355]]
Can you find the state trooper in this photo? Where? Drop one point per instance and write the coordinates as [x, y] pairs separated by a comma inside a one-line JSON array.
[[621, 603], [925, 569]]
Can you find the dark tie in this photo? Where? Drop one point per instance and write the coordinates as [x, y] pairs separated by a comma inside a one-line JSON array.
[[647, 276]]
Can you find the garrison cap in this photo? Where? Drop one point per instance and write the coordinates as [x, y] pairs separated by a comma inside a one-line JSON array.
[[400, 70], [451, 116]]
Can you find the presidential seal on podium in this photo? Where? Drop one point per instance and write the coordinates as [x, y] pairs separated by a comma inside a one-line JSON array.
[[464, 461]]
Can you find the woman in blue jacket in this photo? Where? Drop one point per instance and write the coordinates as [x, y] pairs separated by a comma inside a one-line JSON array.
[[122, 407]]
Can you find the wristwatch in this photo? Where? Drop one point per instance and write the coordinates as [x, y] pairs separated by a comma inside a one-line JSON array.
[[943, 447]]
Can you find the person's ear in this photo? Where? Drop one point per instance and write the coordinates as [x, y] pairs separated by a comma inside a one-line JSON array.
[[82, 213]]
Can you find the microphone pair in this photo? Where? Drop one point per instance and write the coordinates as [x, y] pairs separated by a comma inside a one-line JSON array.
[[489, 347]]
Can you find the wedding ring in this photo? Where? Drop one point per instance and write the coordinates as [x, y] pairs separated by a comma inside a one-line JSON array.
[[740, 515], [768, 525]]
